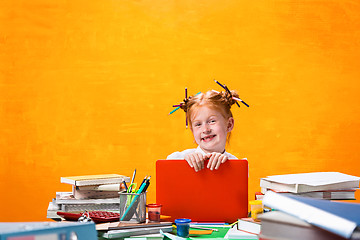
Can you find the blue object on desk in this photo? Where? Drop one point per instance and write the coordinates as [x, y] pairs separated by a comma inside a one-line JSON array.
[[48, 230], [182, 227]]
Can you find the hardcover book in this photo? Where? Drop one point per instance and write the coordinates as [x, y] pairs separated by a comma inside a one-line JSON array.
[[308, 182], [340, 218]]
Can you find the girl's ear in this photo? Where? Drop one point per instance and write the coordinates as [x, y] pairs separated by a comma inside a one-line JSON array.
[[230, 124]]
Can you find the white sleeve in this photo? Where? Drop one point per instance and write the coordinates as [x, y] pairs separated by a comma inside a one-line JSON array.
[[180, 155], [230, 156], [175, 155]]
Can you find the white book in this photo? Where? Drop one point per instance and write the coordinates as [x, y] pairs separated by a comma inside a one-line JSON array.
[[93, 194], [249, 225], [234, 233], [87, 180], [347, 194], [308, 182], [279, 225], [103, 187]]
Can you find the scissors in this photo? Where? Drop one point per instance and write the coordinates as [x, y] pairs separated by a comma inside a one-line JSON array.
[[131, 189]]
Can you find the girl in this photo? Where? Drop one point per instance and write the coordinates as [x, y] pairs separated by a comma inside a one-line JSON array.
[[211, 122]]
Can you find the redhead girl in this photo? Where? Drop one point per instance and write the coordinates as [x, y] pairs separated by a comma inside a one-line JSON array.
[[211, 123]]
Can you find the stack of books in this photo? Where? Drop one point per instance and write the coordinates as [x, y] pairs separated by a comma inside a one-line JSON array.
[[297, 217], [320, 185], [89, 193]]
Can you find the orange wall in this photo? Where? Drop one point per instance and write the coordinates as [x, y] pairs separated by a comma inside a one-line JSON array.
[[86, 87]]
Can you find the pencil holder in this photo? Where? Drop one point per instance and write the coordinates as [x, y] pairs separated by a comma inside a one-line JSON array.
[[133, 207]]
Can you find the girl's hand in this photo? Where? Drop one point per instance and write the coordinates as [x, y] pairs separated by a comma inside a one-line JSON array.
[[215, 159], [195, 160]]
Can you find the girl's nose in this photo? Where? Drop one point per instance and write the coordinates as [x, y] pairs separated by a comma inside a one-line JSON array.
[[206, 128]]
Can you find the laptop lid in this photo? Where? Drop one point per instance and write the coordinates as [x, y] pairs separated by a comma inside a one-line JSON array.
[[205, 196]]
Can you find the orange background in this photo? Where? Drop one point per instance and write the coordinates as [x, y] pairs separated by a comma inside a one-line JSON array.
[[86, 88]]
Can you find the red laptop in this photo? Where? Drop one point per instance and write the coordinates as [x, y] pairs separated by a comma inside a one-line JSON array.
[[205, 196]]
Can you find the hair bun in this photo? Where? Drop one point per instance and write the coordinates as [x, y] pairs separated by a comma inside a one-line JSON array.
[[228, 97]]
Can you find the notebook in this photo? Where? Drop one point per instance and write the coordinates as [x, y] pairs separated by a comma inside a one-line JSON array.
[[205, 196]]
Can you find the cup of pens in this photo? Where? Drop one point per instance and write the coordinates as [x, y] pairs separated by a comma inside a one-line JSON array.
[[133, 207]]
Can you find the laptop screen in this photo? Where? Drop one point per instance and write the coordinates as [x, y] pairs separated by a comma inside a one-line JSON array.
[[205, 196]]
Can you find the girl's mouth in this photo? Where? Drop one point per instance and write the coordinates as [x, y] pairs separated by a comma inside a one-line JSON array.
[[208, 138]]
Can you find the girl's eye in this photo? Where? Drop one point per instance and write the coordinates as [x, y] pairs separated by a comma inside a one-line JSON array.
[[212, 121], [197, 124]]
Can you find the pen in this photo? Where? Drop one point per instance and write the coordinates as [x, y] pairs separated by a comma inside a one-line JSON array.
[[144, 180], [132, 181], [147, 183], [210, 223], [144, 185], [133, 176], [203, 228], [126, 188]]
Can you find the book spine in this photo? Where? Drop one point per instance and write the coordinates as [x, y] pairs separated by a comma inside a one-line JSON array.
[[99, 181], [103, 187]]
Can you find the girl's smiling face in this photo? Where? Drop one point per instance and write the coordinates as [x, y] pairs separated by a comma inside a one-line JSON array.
[[210, 129]]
